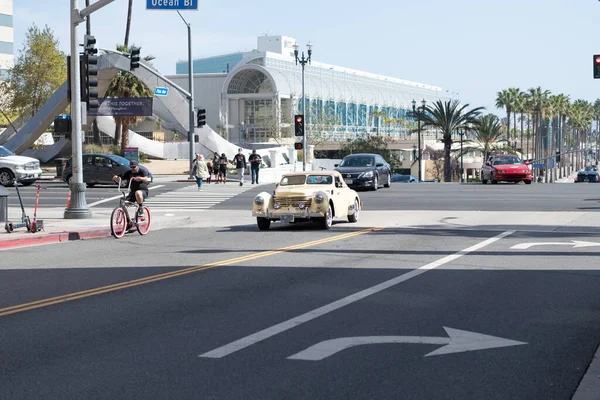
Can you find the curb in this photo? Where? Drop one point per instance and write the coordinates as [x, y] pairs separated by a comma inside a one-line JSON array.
[[54, 238]]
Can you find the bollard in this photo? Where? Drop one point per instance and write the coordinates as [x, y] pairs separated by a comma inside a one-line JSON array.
[[3, 204]]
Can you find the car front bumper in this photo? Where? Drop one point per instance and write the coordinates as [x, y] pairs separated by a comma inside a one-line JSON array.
[[28, 174], [512, 177], [293, 214]]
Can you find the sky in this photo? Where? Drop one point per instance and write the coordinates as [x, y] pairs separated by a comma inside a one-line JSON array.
[[472, 47]]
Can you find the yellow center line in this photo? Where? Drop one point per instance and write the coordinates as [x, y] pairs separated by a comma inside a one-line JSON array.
[[167, 275]]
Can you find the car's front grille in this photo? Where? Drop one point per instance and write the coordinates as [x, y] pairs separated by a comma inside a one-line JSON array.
[[31, 166], [293, 201], [352, 175]]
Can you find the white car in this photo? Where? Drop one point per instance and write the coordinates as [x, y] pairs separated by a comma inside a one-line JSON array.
[[12, 167], [301, 196]]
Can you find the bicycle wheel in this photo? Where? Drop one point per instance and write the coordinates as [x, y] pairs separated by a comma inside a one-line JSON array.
[[143, 221], [118, 223]]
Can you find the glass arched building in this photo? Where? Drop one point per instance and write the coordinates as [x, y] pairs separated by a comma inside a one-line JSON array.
[[262, 90]]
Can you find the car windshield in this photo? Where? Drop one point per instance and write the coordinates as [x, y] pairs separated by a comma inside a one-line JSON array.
[[4, 152], [591, 169], [119, 159], [319, 180], [357, 162], [507, 160], [293, 180]]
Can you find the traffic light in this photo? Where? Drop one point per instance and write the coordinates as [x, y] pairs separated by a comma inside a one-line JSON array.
[[597, 66], [557, 156], [89, 80], [89, 45], [134, 58], [298, 145], [299, 125], [201, 118], [62, 126]]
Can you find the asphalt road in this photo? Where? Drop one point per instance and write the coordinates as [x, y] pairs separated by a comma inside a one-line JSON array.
[[463, 197], [234, 314]]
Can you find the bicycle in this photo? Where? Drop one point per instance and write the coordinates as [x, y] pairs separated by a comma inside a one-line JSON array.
[[120, 220]]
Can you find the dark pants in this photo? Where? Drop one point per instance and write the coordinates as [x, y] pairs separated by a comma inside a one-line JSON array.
[[254, 172]]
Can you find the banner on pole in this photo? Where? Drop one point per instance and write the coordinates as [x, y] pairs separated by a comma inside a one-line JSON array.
[[127, 107]]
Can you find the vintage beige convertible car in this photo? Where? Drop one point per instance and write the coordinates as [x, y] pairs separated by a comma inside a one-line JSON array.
[[300, 196]]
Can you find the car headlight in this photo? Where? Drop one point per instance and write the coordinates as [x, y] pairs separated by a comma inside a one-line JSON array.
[[501, 171], [277, 206], [368, 174], [319, 198], [259, 201], [301, 205]]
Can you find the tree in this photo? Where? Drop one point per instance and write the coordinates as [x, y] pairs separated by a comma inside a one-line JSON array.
[[371, 144], [507, 99], [449, 117], [488, 137], [40, 68], [126, 85]]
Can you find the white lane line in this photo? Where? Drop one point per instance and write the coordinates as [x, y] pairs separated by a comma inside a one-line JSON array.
[[117, 197], [296, 321]]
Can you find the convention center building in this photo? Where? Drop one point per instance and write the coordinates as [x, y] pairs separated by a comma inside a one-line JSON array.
[[251, 97]]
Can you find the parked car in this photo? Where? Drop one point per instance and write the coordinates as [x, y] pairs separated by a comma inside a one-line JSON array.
[[365, 171], [100, 169], [26, 170], [403, 178], [311, 195], [588, 174], [505, 168]]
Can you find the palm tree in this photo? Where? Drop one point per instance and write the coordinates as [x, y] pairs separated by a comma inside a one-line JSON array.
[[538, 100], [561, 106], [126, 85], [382, 118], [488, 131], [521, 108], [507, 99], [449, 117]]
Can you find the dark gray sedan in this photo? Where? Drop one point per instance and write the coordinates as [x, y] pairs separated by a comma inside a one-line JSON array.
[[100, 169]]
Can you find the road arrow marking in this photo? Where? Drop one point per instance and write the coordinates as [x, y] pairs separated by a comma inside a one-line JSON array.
[[574, 243], [458, 341]]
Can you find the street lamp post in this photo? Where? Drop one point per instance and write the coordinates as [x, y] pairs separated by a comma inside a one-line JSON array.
[[462, 171], [418, 113], [303, 61], [191, 98]]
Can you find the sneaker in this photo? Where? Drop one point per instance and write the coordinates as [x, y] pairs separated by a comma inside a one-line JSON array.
[[241, 183], [140, 211]]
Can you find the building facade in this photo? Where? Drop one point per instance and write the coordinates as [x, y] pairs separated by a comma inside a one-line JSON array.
[[261, 90], [6, 38]]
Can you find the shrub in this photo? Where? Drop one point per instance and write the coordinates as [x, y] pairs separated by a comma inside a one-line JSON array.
[[93, 148]]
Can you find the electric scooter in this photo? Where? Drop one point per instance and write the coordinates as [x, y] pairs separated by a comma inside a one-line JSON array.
[[37, 225], [25, 222]]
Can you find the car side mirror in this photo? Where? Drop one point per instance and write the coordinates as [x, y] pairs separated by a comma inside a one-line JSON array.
[[526, 162], [336, 165], [380, 165]]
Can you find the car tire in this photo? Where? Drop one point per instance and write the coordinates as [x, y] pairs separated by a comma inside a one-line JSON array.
[[527, 182], [263, 223], [389, 181], [354, 216], [7, 178], [375, 183], [327, 221]]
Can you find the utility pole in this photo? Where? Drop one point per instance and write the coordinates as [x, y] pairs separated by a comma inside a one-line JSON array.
[[191, 97], [303, 61]]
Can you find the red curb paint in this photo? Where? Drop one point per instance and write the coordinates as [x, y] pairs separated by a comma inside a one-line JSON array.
[[54, 238]]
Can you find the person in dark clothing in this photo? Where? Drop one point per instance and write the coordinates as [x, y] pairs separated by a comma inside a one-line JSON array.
[[240, 165], [223, 161], [215, 164], [139, 184], [255, 161]]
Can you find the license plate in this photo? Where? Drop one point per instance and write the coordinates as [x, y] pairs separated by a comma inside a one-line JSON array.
[[287, 218], [349, 181]]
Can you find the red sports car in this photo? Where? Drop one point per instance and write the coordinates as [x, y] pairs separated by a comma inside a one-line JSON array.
[[507, 168]]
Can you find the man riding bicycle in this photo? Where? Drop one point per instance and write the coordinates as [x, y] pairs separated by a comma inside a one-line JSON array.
[[139, 184]]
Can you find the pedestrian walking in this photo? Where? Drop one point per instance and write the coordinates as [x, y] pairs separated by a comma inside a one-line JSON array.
[[210, 171], [240, 165], [255, 161], [200, 170], [223, 162], [216, 168]]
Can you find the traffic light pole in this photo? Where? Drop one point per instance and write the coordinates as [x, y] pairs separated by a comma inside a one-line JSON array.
[[78, 208], [191, 97]]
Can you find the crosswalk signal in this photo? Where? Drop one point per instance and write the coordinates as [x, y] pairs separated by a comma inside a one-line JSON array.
[[299, 125], [298, 145], [597, 66], [89, 80], [201, 118], [89, 45], [134, 58]]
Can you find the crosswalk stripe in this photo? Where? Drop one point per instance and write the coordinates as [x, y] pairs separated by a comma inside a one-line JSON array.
[[189, 198]]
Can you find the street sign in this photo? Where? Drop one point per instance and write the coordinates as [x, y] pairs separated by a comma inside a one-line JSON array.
[[123, 107], [161, 91], [172, 5], [132, 153], [539, 165]]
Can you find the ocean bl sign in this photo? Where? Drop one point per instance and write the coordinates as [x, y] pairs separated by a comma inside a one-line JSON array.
[[171, 4]]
